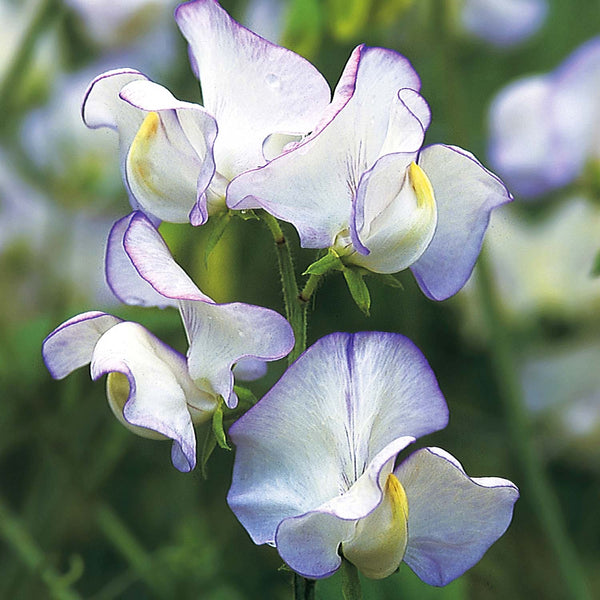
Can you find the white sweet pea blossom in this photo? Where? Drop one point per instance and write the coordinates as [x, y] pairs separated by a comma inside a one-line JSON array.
[[361, 184], [149, 388], [322, 484], [140, 270], [503, 23], [544, 128], [175, 164]]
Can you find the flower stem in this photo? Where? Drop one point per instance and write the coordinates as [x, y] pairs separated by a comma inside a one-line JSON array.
[[350, 581], [295, 310], [536, 489], [304, 589]]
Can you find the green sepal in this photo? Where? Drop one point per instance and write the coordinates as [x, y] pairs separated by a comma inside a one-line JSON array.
[[595, 272], [208, 446], [330, 262], [283, 568], [217, 427], [358, 289], [246, 397], [387, 279], [219, 225]]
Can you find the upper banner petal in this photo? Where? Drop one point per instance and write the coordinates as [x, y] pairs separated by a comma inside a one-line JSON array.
[[344, 400], [251, 86], [453, 518], [313, 185], [71, 345], [465, 194]]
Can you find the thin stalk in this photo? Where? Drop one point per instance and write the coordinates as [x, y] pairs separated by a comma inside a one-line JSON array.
[[46, 11], [18, 538], [304, 589], [351, 589], [295, 312], [537, 488]]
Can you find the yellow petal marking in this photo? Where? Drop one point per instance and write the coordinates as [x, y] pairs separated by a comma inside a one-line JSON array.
[[422, 186], [140, 148]]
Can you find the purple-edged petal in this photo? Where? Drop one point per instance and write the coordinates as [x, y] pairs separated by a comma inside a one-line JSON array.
[[504, 22], [465, 194], [310, 543], [523, 144], [453, 518], [222, 334], [394, 215], [122, 277], [173, 133], [71, 345], [313, 185], [251, 86], [344, 400], [149, 387], [219, 334], [249, 369]]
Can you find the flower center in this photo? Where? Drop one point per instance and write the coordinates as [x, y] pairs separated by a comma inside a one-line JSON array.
[[139, 152], [422, 186], [380, 539]]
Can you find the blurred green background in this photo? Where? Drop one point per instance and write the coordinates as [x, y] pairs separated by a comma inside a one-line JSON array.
[[88, 510]]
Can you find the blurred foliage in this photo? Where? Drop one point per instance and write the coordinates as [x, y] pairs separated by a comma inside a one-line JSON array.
[[89, 511]]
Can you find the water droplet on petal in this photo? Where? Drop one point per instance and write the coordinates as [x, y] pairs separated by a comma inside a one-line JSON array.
[[273, 81]]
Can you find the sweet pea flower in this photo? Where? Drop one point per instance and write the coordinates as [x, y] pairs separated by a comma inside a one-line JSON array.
[[322, 484], [149, 388], [361, 184], [503, 23], [175, 165], [141, 271], [544, 128]]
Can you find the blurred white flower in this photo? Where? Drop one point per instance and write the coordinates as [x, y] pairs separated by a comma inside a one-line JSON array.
[[544, 128], [503, 22]]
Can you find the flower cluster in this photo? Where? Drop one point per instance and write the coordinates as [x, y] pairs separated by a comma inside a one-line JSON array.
[[315, 470]]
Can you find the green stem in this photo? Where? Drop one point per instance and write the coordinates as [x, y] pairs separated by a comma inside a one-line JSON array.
[[537, 488], [294, 309], [47, 10], [304, 589], [350, 581], [25, 547]]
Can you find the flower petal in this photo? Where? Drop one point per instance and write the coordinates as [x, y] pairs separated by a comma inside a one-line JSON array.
[[309, 543], [313, 185], [395, 215], [219, 334], [465, 194], [249, 369], [122, 276], [158, 388], [267, 88], [453, 518], [71, 345], [504, 22], [173, 133], [344, 400]]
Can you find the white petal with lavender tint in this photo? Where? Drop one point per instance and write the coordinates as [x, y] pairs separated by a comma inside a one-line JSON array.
[[219, 335], [154, 397], [340, 404], [503, 22], [71, 345], [395, 215], [313, 186], [251, 86], [465, 194], [310, 543], [453, 518]]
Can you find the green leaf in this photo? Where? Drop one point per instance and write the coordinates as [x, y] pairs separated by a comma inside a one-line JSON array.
[[358, 289], [303, 27], [217, 427], [348, 17], [246, 397], [330, 262]]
